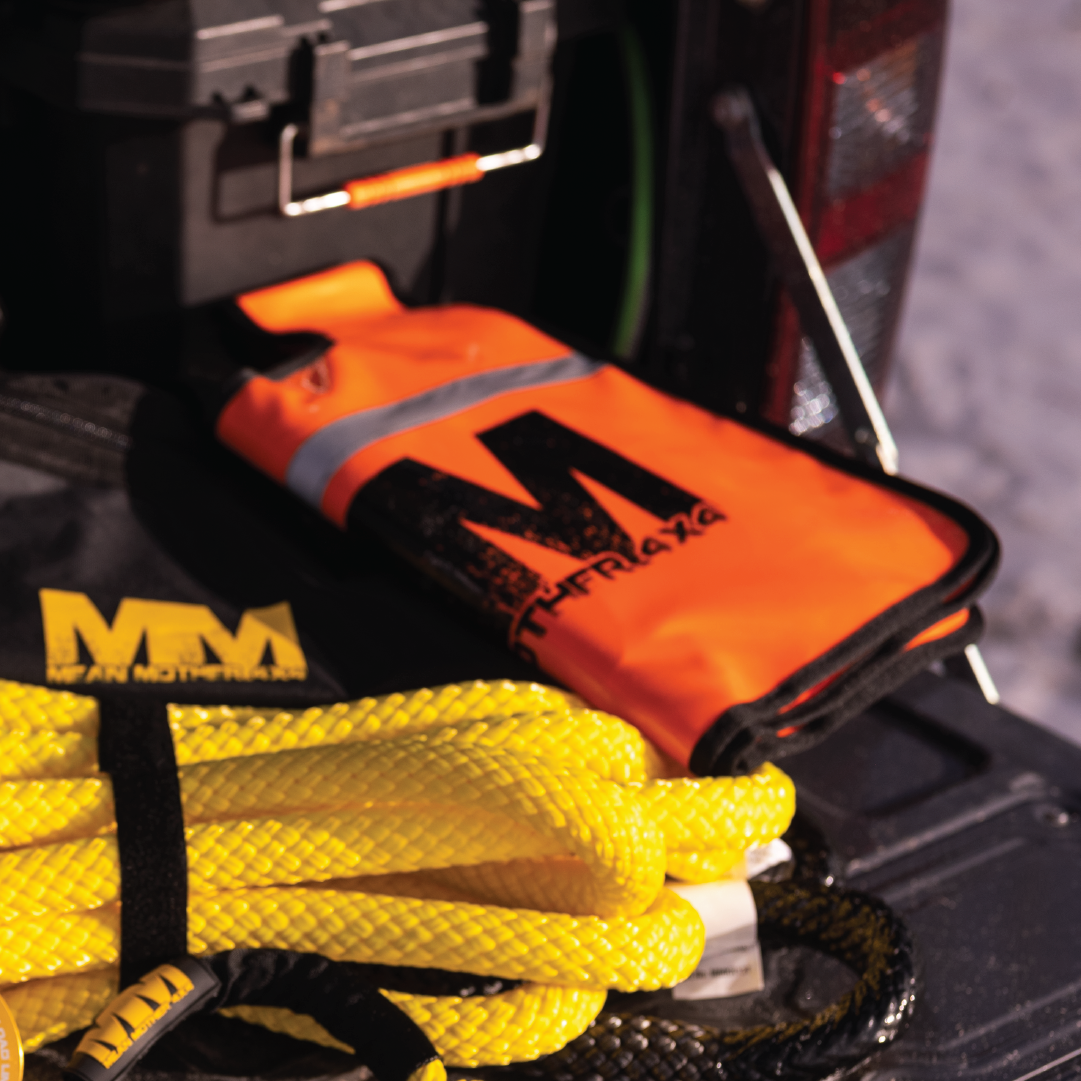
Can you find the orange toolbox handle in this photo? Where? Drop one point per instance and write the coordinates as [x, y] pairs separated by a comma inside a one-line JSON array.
[[397, 184], [413, 180]]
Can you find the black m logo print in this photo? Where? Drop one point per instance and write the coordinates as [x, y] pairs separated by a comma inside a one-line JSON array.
[[420, 510]]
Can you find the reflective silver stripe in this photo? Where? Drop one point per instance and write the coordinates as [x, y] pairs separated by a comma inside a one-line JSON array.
[[324, 452]]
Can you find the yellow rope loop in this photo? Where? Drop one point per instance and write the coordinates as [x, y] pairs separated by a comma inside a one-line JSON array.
[[27, 708], [600, 741], [45, 812], [515, 1026], [204, 734], [587, 738], [708, 822], [451, 805], [495, 1030], [430, 1071], [300, 1026], [706, 828], [596, 820], [59, 944], [46, 733], [656, 949], [653, 950], [46, 754], [69, 877], [494, 828], [382, 839], [48, 1009], [552, 884], [299, 848]]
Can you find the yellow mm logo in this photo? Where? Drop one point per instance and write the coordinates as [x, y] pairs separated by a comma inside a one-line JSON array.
[[179, 639]]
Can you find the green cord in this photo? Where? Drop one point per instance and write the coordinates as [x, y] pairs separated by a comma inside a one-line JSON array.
[[632, 307]]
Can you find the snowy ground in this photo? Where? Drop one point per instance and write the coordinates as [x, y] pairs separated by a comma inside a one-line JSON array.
[[986, 395]]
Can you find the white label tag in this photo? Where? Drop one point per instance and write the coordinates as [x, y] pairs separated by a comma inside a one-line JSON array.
[[732, 961], [762, 857]]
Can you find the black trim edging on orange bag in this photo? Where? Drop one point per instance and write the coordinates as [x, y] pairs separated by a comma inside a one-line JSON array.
[[746, 735], [874, 659]]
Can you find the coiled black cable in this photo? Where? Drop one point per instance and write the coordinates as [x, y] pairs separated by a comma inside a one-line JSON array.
[[858, 930]]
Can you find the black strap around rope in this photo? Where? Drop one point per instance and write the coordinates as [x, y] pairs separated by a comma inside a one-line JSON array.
[[135, 747], [382, 1036]]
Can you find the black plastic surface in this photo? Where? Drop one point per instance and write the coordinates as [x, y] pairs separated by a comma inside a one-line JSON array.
[[964, 818]]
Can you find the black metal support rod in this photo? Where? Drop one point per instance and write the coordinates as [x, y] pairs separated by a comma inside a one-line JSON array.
[[794, 257]]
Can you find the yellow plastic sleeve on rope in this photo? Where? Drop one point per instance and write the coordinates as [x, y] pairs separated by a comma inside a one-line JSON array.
[[495, 1030]]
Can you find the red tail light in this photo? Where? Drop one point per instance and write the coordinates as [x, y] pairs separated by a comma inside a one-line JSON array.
[[869, 103]]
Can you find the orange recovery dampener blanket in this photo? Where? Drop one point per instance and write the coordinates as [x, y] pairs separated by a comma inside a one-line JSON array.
[[733, 593]]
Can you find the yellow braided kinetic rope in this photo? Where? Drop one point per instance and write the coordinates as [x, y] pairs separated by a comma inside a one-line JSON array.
[[498, 828]]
